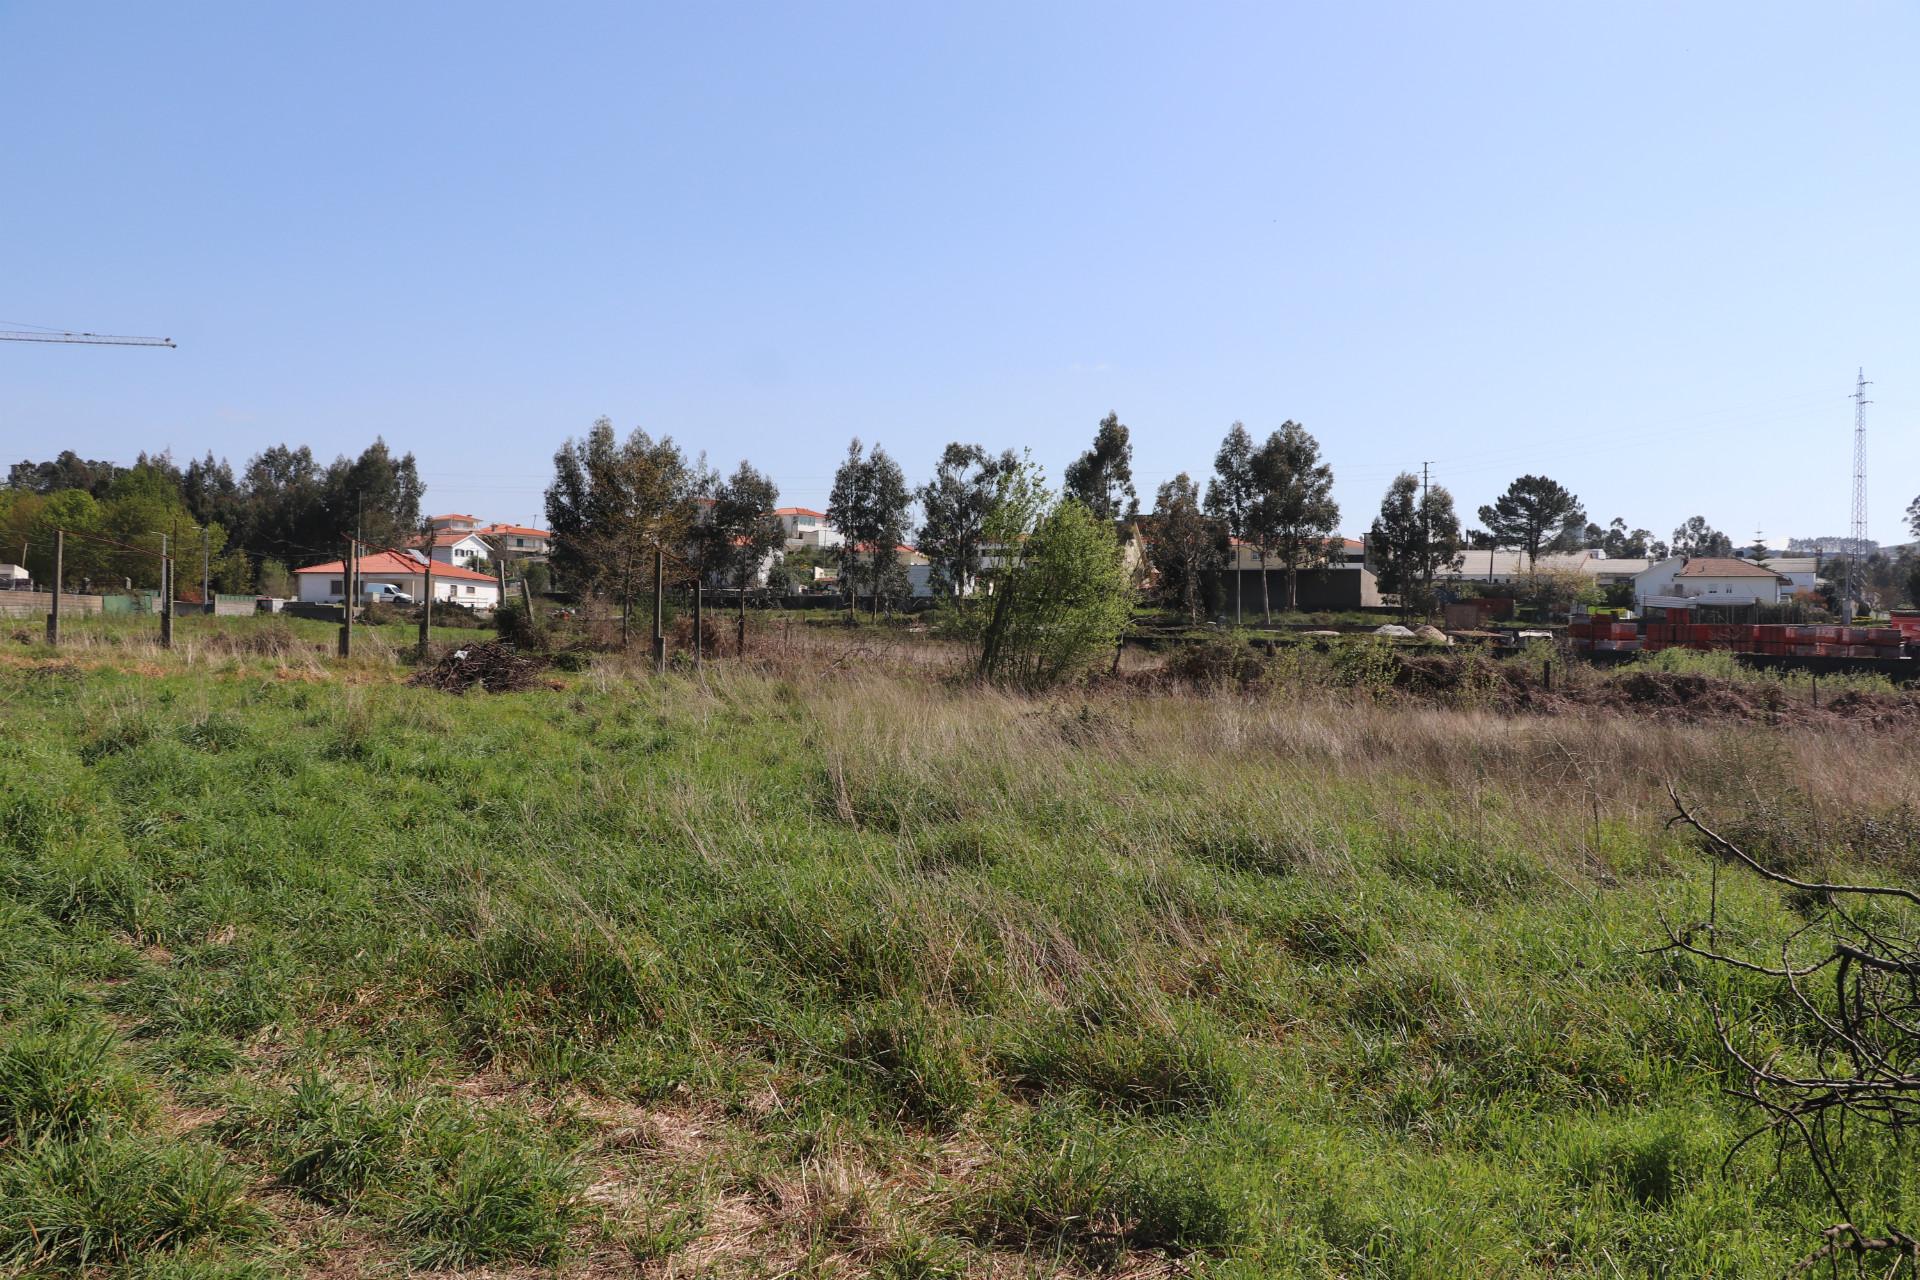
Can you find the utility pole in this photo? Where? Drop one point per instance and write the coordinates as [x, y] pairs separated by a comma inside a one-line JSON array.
[[500, 570], [206, 574], [626, 601], [1426, 534], [659, 609], [346, 604], [698, 622], [166, 595], [1855, 583], [740, 638], [59, 568], [426, 603]]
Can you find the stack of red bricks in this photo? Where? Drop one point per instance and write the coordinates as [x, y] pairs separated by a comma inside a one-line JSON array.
[[1803, 640]]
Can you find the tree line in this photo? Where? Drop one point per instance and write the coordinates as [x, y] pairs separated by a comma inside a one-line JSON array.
[[612, 500], [284, 508], [1031, 577]]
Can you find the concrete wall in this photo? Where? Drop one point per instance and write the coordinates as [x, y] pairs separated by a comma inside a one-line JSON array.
[[35, 604], [1320, 590]]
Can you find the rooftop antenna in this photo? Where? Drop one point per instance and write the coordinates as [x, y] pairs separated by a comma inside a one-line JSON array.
[[1857, 534]]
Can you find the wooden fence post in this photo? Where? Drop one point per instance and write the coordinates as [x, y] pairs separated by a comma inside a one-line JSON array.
[[659, 610], [59, 569], [346, 602], [426, 605], [166, 602]]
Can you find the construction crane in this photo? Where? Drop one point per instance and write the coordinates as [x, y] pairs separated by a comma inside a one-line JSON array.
[[92, 339]]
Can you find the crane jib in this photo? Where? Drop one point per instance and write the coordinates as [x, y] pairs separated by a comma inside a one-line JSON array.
[[95, 339]]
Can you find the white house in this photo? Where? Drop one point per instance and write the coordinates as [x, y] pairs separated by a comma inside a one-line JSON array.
[[453, 523], [326, 583], [807, 528], [459, 548], [15, 578], [1802, 571], [518, 542], [1689, 580]]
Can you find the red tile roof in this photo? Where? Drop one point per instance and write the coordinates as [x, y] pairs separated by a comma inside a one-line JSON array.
[[394, 563], [799, 511], [517, 529], [447, 537], [1723, 567]]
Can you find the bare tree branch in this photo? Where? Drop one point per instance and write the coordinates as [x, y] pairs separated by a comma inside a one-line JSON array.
[[1856, 1049]]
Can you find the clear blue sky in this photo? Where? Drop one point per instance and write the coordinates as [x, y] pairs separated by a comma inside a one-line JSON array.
[[1639, 247]]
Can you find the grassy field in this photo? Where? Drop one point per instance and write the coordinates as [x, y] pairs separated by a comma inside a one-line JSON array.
[[826, 965]]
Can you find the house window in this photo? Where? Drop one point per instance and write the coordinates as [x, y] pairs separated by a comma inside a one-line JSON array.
[[466, 589], [336, 587]]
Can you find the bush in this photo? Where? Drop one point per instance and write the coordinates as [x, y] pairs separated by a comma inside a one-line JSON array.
[[449, 613], [1062, 608], [1220, 659], [517, 627]]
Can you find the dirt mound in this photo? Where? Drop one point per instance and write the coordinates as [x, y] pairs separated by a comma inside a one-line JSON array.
[[1693, 697], [494, 667], [1663, 695]]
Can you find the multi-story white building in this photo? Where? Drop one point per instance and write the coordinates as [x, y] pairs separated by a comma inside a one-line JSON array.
[[454, 547], [518, 542], [808, 528]]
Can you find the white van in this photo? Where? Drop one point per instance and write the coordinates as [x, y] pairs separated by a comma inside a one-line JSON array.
[[383, 593]]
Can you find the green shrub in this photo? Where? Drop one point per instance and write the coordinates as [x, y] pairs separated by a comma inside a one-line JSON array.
[[1062, 607]]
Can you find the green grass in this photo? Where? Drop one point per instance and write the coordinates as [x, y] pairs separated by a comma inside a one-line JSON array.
[[857, 972]]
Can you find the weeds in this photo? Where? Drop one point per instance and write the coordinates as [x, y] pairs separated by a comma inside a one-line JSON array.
[[821, 965]]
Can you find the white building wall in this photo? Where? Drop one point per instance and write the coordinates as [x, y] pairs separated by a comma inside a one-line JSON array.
[[1660, 580], [463, 553], [322, 588]]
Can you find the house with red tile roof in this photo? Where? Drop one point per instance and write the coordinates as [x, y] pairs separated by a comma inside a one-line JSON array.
[[459, 547], [518, 541], [807, 528], [406, 570], [1721, 580]]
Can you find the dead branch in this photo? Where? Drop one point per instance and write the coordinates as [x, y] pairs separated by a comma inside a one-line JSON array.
[[1857, 1038]]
